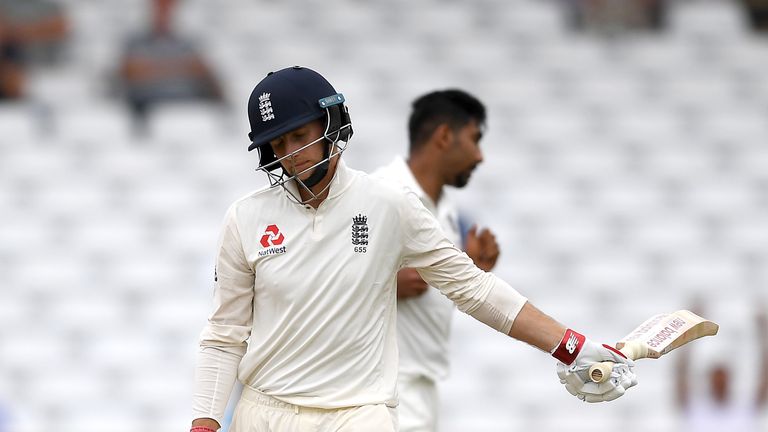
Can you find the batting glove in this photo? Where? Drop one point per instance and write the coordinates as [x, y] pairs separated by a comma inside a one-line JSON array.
[[577, 354]]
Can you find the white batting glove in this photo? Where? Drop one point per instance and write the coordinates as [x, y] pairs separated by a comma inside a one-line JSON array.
[[577, 354]]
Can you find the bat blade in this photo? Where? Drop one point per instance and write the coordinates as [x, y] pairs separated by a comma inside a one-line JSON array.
[[657, 336]]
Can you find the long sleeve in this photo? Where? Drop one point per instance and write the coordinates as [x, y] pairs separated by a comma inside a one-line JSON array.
[[223, 340]]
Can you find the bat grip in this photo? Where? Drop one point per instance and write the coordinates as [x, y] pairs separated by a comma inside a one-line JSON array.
[[600, 372]]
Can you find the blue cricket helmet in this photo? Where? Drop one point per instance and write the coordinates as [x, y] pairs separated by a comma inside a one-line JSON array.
[[288, 99]]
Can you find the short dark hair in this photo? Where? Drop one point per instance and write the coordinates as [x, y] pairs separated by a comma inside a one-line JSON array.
[[452, 106]]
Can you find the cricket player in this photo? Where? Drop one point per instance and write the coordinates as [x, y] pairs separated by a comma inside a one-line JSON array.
[[304, 312], [444, 128]]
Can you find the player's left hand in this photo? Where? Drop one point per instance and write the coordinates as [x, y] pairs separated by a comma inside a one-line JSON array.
[[575, 375], [410, 283], [482, 248]]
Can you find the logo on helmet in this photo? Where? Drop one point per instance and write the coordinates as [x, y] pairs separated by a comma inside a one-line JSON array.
[[265, 107]]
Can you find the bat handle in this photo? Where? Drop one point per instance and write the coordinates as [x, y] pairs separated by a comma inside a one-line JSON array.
[[600, 372]]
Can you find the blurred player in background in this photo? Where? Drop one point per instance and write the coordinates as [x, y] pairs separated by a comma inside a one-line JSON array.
[[717, 409], [444, 129], [305, 283]]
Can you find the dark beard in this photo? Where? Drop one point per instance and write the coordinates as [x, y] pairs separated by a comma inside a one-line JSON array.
[[462, 179]]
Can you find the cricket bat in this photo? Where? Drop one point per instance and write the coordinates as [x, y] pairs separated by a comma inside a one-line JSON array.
[[657, 336]]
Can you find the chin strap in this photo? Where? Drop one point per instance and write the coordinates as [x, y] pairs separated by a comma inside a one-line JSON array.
[[320, 172]]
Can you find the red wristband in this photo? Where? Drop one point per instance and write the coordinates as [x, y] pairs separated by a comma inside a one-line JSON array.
[[201, 429], [569, 347]]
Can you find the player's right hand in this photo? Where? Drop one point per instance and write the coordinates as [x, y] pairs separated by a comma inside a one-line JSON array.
[[577, 354], [410, 283]]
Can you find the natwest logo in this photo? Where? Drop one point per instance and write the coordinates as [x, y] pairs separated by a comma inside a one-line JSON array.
[[272, 236]]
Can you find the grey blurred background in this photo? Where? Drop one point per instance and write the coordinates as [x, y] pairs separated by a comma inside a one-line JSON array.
[[625, 174]]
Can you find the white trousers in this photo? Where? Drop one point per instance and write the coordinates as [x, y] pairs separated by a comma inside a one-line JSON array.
[[257, 412], [419, 402]]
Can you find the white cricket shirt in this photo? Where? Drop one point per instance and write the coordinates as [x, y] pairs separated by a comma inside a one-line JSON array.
[[304, 299], [424, 322]]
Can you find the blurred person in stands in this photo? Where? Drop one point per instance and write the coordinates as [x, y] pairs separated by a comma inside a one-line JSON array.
[[32, 33], [614, 16], [160, 66], [718, 410], [11, 67], [39, 27], [757, 14], [445, 128]]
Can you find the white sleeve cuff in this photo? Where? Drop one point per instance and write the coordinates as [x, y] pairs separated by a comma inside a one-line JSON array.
[[500, 308], [215, 376]]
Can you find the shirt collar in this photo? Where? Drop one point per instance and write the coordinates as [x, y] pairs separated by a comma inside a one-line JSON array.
[[342, 178]]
